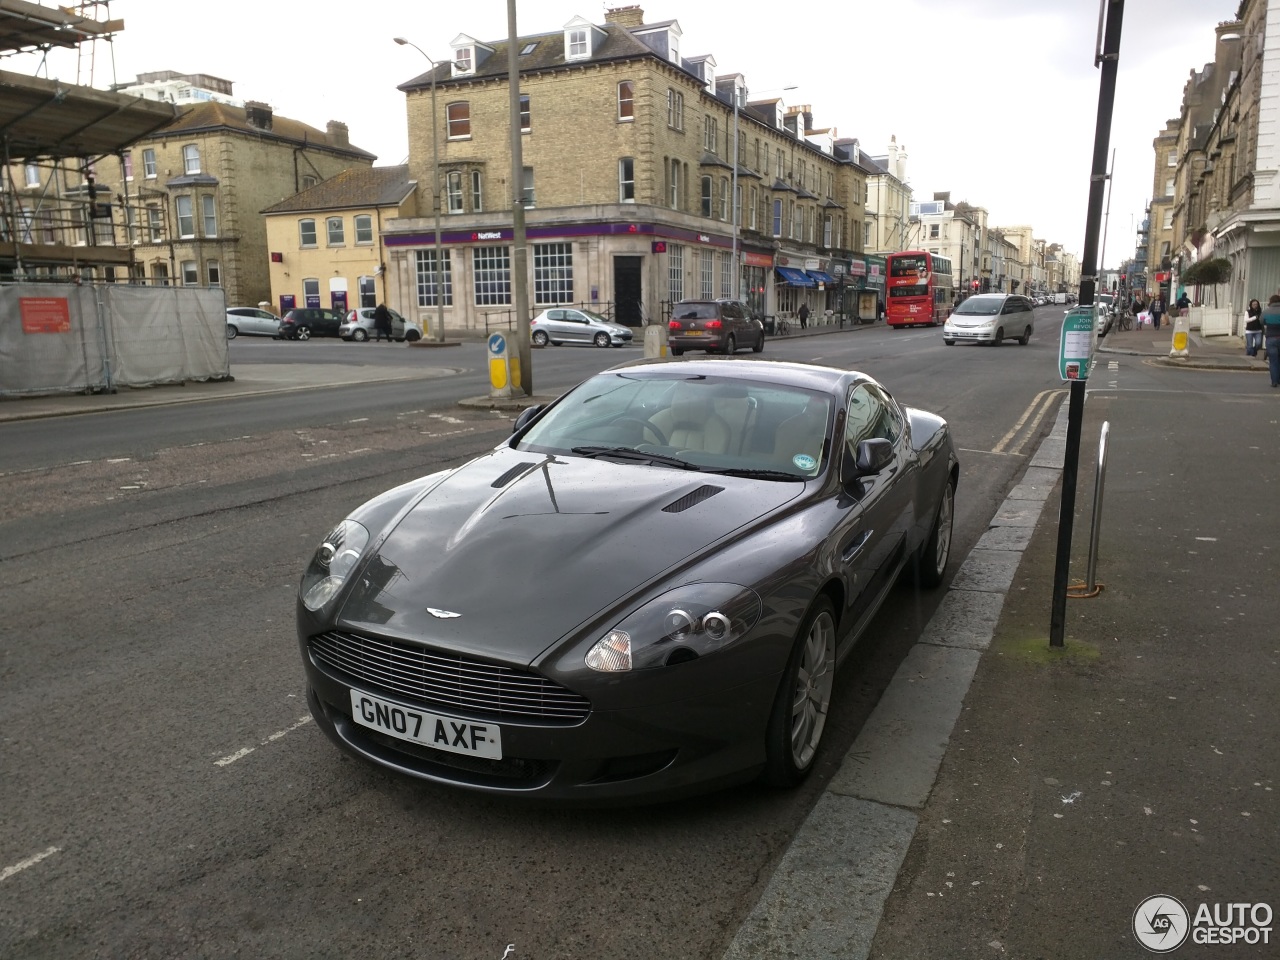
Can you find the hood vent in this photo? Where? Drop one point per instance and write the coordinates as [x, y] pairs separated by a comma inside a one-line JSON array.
[[692, 499], [511, 474]]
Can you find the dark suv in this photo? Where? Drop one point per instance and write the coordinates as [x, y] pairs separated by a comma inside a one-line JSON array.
[[716, 326], [303, 323]]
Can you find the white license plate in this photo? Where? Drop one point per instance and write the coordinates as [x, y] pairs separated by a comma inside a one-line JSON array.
[[693, 333], [429, 729]]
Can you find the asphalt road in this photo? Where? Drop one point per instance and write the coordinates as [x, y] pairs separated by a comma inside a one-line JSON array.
[[164, 794]]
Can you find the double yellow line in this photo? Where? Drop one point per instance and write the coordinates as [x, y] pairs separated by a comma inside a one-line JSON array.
[[1035, 412]]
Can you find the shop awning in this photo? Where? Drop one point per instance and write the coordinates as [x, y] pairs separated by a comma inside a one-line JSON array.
[[794, 278], [821, 277]]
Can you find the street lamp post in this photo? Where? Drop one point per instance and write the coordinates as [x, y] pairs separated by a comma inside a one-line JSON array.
[[436, 271]]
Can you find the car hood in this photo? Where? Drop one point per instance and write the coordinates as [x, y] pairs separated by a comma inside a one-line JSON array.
[[516, 549]]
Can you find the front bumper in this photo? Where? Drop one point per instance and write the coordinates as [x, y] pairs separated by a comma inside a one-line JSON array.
[[977, 334]]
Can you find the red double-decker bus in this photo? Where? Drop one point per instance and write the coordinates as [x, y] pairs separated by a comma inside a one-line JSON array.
[[920, 290]]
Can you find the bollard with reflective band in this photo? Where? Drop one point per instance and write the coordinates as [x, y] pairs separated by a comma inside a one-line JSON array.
[[1181, 337], [501, 374], [655, 341]]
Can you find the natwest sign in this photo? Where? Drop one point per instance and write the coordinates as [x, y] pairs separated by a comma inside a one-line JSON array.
[[487, 235]]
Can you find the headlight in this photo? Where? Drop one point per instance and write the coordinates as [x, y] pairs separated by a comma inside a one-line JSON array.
[[682, 624], [333, 562]]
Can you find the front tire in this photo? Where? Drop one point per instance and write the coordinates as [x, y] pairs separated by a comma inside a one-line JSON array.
[[949, 343], [799, 714], [999, 337], [302, 333], [759, 347], [931, 559], [602, 339]]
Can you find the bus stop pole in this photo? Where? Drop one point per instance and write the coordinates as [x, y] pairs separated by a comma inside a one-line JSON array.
[[1109, 59]]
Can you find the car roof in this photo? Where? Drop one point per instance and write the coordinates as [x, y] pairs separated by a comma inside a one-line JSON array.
[[813, 376]]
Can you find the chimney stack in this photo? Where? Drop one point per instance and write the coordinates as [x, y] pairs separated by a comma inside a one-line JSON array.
[[629, 17], [258, 114], [339, 135]]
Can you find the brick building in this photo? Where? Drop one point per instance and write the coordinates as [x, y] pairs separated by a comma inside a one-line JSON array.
[[628, 182]]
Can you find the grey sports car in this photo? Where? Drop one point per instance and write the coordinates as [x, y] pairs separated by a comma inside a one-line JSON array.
[[644, 592]]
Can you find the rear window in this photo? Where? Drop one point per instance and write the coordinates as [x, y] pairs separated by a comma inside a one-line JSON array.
[[695, 311]]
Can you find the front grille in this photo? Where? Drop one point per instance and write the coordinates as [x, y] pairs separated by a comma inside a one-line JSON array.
[[448, 681]]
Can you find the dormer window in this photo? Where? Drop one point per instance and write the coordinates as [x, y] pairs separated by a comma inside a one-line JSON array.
[[464, 60], [468, 55], [581, 39]]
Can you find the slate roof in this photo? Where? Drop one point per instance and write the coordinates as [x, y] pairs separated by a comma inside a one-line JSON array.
[[212, 115], [354, 187]]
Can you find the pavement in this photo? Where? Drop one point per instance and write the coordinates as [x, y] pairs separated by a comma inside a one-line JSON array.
[[1009, 799]]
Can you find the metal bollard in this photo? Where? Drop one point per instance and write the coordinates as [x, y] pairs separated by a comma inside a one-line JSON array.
[[1100, 480]]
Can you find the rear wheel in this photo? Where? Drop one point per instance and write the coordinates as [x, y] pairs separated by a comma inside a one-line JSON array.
[[602, 339], [730, 346], [800, 708], [1026, 337], [677, 352], [359, 335], [232, 332], [540, 338], [931, 559]]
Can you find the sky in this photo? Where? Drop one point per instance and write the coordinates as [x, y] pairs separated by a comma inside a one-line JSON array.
[[995, 101]]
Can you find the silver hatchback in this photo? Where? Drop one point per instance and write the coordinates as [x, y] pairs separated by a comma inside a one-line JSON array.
[[566, 325], [359, 326]]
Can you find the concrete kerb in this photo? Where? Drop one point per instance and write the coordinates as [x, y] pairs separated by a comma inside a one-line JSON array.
[[827, 896]]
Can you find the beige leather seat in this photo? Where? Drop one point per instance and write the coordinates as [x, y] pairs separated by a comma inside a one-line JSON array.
[[802, 434], [691, 423]]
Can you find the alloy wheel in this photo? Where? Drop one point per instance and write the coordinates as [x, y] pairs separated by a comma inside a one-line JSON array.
[[812, 695]]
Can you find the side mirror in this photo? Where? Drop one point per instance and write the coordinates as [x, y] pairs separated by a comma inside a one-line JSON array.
[[872, 457], [526, 417]]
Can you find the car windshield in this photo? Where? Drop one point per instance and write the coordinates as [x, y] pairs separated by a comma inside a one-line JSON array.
[[669, 419], [977, 306], [695, 311]]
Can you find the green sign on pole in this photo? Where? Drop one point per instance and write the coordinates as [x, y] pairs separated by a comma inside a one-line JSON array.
[[1076, 349]]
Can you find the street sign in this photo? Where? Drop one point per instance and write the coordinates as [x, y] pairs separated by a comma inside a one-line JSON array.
[[1075, 349]]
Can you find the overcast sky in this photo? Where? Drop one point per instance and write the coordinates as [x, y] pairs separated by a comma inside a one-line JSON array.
[[994, 100]]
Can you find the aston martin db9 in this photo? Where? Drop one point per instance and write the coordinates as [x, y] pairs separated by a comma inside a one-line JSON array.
[[644, 592]]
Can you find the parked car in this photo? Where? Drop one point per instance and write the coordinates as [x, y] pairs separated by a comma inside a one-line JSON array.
[[716, 326], [676, 558], [990, 318], [359, 326], [560, 325], [252, 322], [303, 323], [1106, 312]]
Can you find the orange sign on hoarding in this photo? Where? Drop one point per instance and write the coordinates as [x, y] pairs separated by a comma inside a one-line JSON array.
[[45, 314]]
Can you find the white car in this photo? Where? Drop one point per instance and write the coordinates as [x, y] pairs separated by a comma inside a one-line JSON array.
[[565, 325], [359, 326], [990, 318], [251, 321]]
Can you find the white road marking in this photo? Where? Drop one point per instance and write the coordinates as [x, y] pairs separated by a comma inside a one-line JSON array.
[[8, 872], [995, 453], [445, 418], [120, 460], [245, 751], [358, 420]]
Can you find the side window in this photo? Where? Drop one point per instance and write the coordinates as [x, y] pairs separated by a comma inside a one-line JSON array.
[[870, 415], [555, 314]]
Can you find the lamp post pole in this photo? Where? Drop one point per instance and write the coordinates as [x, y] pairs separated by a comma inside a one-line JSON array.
[[436, 269]]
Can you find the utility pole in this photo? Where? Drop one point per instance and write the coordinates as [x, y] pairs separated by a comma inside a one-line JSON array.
[[1109, 60], [520, 253]]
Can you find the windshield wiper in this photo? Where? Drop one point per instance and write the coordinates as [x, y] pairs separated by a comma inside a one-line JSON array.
[[631, 453], [757, 474]]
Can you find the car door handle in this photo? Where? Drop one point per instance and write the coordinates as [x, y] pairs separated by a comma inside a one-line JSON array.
[[851, 549]]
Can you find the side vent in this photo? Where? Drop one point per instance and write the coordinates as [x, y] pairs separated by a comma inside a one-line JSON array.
[[692, 498], [511, 474]]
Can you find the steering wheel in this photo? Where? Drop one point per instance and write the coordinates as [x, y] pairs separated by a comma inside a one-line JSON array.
[[645, 425]]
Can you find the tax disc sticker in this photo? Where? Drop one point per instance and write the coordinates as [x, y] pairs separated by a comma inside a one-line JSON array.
[[804, 462]]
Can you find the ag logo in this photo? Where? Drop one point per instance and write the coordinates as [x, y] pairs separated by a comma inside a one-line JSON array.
[[1161, 924]]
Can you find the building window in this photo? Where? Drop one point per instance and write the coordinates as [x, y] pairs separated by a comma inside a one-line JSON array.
[[214, 271], [710, 135], [190, 159], [1168, 220], [128, 166], [777, 218], [491, 268], [308, 182], [826, 231], [453, 191], [427, 278], [130, 226], [311, 292], [577, 44], [459, 120], [675, 109], [527, 189], [186, 219], [526, 122], [364, 228], [160, 273], [367, 289], [752, 208], [706, 196], [675, 272], [726, 275], [1168, 187], [724, 199], [463, 58], [933, 231], [1173, 158], [149, 164], [477, 192], [334, 232], [32, 174], [706, 275], [190, 273], [674, 185], [307, 233], [552, 273], [209, 211], [155, 223], [626, 100], [627, 180]]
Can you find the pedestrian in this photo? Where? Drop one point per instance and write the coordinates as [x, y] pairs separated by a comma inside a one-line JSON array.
[[1156, 310], [804, 315], [382, 322], [1271, 331], [1253, 329], [1184, 301]]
